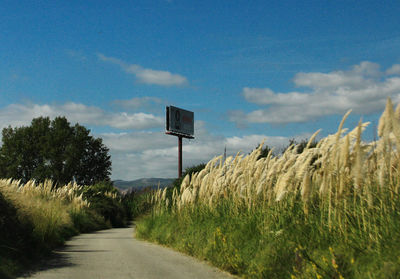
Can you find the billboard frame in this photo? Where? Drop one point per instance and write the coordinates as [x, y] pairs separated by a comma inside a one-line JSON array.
[[183, 115], [168, 131]]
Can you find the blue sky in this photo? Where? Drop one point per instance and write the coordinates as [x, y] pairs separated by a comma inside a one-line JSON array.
[[250, 70]]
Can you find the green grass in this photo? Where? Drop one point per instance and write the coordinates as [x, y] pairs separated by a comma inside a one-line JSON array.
[[330, 211], [281, 241]]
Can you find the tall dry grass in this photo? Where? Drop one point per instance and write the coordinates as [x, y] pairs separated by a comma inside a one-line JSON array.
[[48, 208], [36, 218], [341, 168], [347, 187]]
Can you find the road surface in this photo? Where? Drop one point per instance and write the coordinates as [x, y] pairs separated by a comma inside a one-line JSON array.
[[115, 253]]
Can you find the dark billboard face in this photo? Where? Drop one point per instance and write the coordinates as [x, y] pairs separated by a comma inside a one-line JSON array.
[[180, 121]]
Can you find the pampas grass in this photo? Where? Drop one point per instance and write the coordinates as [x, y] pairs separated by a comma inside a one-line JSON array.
[[336, 166], [46, 207], [344, 191]]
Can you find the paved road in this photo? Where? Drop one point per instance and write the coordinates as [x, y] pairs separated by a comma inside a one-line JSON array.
[[116, 254]]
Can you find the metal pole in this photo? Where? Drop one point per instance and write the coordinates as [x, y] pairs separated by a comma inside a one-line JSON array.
[[179, 156]]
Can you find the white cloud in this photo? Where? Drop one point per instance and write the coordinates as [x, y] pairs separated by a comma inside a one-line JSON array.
[[137, 141], [251, 141], [360, 76], [394, 70], [154, 154], [148, 76], [133, 121], [364, 89], [140, 102], [22, 114], [140, 154]]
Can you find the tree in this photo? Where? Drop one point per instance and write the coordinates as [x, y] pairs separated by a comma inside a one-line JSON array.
[[53, 150], [299, 146], [264, 152]]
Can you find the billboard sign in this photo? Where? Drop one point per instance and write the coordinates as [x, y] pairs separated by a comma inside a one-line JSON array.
[[179, 121]]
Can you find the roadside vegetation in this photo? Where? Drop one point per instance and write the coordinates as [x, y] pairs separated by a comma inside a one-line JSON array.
[[36, 218], [329, 209], [39, 207]]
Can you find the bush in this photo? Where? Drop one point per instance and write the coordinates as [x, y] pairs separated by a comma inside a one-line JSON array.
[[137, 202], [87, 220], [106, 201]]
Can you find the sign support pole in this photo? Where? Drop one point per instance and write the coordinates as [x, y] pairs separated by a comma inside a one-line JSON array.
[[179, 156], [180, 123]]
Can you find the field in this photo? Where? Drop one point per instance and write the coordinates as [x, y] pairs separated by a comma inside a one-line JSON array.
[[330, 211]]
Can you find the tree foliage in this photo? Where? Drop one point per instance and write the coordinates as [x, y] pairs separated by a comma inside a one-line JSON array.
[[264, 152], [300, 146], [105, 199], [53, 150]]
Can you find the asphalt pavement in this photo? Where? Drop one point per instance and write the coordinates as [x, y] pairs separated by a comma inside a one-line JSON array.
[[115, 253]]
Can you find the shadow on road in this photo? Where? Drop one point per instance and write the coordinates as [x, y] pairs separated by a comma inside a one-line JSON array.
[[57, 259]]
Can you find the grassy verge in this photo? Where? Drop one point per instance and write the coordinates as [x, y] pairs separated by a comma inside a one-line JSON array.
[[280, 241], [328, 211], [36, 218]]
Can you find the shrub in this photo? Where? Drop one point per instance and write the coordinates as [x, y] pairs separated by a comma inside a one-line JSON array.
[[106, 201], [137, 202]]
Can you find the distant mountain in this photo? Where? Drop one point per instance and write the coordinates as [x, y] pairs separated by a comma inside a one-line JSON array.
[[143, 183]]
